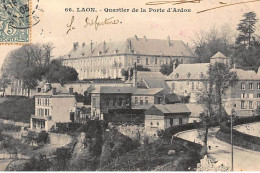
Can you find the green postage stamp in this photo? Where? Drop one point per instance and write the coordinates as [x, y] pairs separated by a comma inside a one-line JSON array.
[[15, 24]]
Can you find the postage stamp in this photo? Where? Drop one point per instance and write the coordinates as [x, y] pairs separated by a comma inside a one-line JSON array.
[[15, 25]]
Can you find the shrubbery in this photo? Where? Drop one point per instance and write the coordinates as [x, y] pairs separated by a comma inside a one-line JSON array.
[[17, 109], [240, 139]]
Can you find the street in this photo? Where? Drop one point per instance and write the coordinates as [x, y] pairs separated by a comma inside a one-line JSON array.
[[244, 159]]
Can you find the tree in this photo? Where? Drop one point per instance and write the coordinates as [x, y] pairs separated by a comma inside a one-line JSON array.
[[220, 78], [125, 73], [28, 63], [207, 43], [246, 29], [166, 69]]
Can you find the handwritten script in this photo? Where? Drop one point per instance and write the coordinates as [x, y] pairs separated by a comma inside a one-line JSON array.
[[96, 23], [222, 4]]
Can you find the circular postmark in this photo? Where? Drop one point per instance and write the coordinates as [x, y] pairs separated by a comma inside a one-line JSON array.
[[17, 13]]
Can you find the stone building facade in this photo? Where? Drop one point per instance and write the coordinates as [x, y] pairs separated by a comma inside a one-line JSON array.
[[107, 59]]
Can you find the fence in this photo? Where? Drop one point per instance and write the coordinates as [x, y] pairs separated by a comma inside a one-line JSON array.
[[11, 122]]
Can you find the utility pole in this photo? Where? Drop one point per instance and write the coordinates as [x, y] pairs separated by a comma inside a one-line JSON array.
[[232, 165]]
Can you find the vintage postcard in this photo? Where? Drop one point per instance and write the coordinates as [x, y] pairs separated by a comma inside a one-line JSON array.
[[116, 85]]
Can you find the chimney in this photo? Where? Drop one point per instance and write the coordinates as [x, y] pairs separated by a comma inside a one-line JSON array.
[[145, 38], [173, 65], [54, 91], [136, 37], [129, 74], [71, 91], [234, 66], [130, 46], [83, 44], [168, 40], [91, 46], [75, 46], [135, 76], [104, 47]]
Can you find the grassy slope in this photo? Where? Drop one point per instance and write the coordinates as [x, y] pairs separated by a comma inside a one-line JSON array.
[[17, 109]]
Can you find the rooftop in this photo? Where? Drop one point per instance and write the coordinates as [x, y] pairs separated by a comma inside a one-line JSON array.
[[149, 75], [113, 90], [246, 75], [172, 108], [219, 55], [145, 46], [149, 91], [190, 71]]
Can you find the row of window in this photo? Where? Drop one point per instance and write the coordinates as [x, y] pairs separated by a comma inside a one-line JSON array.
[[43, 112], [114, 102], [43, 101], [250, 86], [156, 61], [141, 101], [251, 95], [194, 85]]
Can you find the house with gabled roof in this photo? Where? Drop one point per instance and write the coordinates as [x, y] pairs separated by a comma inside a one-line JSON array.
[[53, 104], [145, 98], [105, 98], [163, 116]]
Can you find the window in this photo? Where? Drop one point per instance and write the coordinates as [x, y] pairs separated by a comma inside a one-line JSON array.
[[187, 83], [138, 60], [108, 102], [258, 103], [38, 99], [251, 95], [147, 61], [47, 112], [141, 101], [258, 95], [120, 101], [243, 95], [158, 124], [181, 61], [155, 60], [146, 101], [159, 100], [127, 103], [243, 86], [136, 100], [242, 104], [151, 123], [258, 86], [94, 102], [251, 86], [250, 105], [192, 85], [114, 101], [180, 120]]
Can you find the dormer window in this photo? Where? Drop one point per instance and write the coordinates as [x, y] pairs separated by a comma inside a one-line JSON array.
[[82, 54], [201, 75], [115, 51], [176, 75], [99, 53], [188, 75]]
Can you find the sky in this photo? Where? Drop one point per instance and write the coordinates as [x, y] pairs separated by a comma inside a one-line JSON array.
[[54, 21]]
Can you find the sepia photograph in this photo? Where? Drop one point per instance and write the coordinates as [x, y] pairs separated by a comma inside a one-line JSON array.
[[140, 85]]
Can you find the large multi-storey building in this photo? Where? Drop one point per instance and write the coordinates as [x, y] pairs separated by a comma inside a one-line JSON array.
[[190, 80], [107, 59], [244, 97]]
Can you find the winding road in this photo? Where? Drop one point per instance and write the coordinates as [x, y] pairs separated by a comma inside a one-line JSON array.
[[244, 159]]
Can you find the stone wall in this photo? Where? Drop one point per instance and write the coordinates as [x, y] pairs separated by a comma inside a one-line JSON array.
[[60, 139]]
